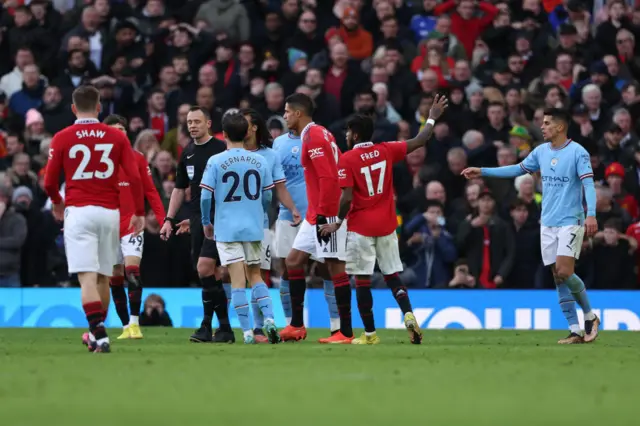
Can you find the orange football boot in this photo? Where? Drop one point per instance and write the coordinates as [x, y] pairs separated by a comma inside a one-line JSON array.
[[337, 339], [291, 333]]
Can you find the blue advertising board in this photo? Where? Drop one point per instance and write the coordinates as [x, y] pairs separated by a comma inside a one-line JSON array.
[[435, 309]]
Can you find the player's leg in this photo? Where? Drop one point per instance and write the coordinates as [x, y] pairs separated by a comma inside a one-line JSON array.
[[119, 295], [105, 294], [388, 256], [205, 254], [569, 247], [223, 272], [259, 290], [232, 256], [134, 285], [333, 250], [285, 236], [94, 311], [131, 248], [265, 272], [361, 261], [329, 297], [303, 247], [285, 295], [96, 284], [549, 250]]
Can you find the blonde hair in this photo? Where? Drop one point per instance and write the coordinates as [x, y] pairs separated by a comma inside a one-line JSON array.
[[491, 94], [520, 179], [147, 133]]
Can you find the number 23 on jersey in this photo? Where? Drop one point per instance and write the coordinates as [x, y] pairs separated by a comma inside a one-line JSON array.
[[86, 154]]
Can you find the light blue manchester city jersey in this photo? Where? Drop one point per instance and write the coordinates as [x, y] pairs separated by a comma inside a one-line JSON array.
[[562, 170], [288, 148], [238, 177], [275, 168]]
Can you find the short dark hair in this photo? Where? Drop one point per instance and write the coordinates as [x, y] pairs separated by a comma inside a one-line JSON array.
[[434, 203], [492, 104], [113, 119], [86, 98], [301, 102], [362, 125], [518, 203], [154, 91], [17, 136], [203, 110], [23, 9], [263, 135], [366, 91], [613, 223], [235, 126], [558, 115]]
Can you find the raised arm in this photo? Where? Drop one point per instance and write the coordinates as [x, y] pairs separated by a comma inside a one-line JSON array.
[[440, 104], [528, 165]]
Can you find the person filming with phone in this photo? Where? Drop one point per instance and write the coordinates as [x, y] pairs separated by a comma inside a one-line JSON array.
[[433, 249]]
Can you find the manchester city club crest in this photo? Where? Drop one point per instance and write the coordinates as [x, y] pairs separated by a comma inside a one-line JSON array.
[[554, 163], [295, 150]]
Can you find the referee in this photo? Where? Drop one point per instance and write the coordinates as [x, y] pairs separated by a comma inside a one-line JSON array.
[[204, 253]]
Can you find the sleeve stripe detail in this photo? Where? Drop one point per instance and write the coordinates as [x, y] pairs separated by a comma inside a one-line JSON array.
[[525, 169], [586, 175], [202, 185], [279, 181], [268, 187]]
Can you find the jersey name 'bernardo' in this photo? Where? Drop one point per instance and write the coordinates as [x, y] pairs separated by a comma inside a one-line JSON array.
[[240, 159], [80, 134]]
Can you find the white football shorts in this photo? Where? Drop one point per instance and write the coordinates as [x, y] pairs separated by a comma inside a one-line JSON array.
[[265, 258], [335, 247], [362, 253], [91, 239], [247, 252], [130, 246], [560, 241]]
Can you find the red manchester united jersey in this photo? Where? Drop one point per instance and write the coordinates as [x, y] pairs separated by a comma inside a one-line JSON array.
[[127, 205], [91, 155], [367, 168], [320, 156]]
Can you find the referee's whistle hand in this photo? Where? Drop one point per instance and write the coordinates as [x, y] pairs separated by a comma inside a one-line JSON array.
[[184, 227]]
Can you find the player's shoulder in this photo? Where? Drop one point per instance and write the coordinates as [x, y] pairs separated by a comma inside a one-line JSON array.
[[261, 155], [576, 148], [266, 152], [348, 156]]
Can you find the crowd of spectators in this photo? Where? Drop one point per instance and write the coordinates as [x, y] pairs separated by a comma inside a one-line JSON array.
[[500, 63]]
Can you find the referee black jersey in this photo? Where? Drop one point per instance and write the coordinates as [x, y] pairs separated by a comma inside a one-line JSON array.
[[191, 167]]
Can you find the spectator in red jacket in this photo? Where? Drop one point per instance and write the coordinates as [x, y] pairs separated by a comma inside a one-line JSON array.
[[464, 24], [614, 175]]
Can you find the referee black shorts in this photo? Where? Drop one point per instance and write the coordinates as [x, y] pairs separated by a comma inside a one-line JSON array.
[[201, 246]]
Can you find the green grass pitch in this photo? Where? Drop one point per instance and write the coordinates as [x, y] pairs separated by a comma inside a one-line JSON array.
[[493, 378]]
